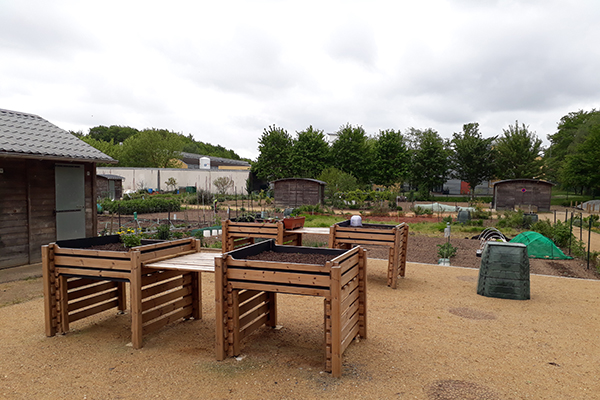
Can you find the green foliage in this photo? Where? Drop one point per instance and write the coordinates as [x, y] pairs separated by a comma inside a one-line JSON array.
[[130, 237], [171, 183], [113, 133], [352, 153], [473, 157], [190, 145], [309, 209], [163, 232], [518, 152], [152, 204], [274, 147], [446, 250], [572, 130], [310, 154], [581, 166], [517, 220], [392, 158], [109, 148], [430, 164], [337, 181], [559, 233], [151, 148]]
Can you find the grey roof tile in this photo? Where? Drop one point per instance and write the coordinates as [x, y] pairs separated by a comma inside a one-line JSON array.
[[30, 135]]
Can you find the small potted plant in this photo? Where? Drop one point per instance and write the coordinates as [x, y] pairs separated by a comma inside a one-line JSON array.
[[445, 252]]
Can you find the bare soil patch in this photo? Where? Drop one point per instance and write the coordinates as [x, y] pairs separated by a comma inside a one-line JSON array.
[[301, 258]]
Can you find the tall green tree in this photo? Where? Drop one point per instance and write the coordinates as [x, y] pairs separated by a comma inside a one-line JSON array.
[[352, 153], [109, 148], [571, 131], [392, 158], [118, 134], [581, 166], [310, 153], [430, 159], [337, 181], [152, 148], [273, 162], [518, 153], [473, 157]]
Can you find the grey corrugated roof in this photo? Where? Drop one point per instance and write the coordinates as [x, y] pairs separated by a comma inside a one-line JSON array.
[[300, 179], [111, 177], [30, 136], [214, 160]]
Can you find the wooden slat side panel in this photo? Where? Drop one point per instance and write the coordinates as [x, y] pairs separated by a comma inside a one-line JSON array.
[[159, 276], [349, 275], [154, 302], [247, 318], [270, 276], [99, 273], [102, 286], [281, 288], [261, 265], [253, 303], [75, 283], [157, 324], [90, 262], [94, 310], [101, 254], [166, 309], [99, 298], [254, 326], [246, 295], [349, 337], [163, 287]]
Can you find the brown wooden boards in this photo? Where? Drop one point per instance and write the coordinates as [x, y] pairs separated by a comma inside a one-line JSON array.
[[245, 295]]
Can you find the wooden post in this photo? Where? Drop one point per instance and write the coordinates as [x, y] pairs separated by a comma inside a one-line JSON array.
[[197, 287], [62, 298], [280, 233], [197, 295], [135, 283], [331, 243], [49, 293], [362, 294], [336, 323], [220, 312], [272, 322], [121, 296], [235, 329], [225, 237]]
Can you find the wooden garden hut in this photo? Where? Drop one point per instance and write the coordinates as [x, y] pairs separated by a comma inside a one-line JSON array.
[[530, 195], [296, 192], [109, 186], [47, 187]]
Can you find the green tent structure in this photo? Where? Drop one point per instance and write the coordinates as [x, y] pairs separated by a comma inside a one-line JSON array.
[[539, 246]]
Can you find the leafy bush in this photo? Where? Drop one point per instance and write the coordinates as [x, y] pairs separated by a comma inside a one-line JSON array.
[[446, 250], [142, 206], [130, 238], [163, 232], [517, 220]]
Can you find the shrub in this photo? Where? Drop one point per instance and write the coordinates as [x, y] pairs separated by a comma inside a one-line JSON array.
[[446, 250], [163, 232], [142, 206]]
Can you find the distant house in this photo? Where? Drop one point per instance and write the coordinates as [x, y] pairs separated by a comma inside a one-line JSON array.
[[296, 192], [530, 195], [47, 186]]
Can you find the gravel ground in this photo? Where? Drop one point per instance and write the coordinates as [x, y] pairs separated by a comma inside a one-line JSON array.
[[432, 338]]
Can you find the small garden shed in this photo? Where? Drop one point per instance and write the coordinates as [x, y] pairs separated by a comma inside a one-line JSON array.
[[47, 187], [296, 192], [530, 195], [109, 186]]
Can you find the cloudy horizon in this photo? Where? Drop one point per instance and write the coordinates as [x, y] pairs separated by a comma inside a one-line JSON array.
[[225, 71]]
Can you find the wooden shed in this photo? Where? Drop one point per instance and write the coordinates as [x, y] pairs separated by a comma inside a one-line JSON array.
[[530, 195], [47, 187], [296, 192], [109, 186]]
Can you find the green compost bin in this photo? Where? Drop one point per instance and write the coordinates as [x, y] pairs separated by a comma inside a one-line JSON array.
[[504, 271]]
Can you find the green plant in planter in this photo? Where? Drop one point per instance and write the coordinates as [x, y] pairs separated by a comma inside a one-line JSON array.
[[163, 232], [130, 238], [446, 250]]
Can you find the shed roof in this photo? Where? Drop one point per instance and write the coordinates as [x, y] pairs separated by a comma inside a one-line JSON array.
[[523, 180], [191, 158], [30, 136], [111, 177], [301, 179]]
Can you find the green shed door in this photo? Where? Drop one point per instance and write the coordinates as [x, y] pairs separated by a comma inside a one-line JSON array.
[[70, 202]]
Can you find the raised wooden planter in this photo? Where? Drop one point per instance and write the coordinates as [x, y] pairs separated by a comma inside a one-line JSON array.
[[80, 282], [238, 234], [246, 295], [293, 222], [342, 235]]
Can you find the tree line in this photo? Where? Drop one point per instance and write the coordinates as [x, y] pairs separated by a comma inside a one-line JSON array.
[[420, 157], [149, 148]]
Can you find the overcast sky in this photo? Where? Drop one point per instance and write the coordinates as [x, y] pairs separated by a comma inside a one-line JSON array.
[[224, 71]]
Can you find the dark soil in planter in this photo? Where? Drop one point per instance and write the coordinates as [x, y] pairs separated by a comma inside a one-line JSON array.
[[316, 259], [110, 247]]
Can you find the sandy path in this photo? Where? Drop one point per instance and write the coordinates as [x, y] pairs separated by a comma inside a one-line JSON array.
[[432, 338]]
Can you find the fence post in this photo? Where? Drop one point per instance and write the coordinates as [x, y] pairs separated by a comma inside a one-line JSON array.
[[589, 242]]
